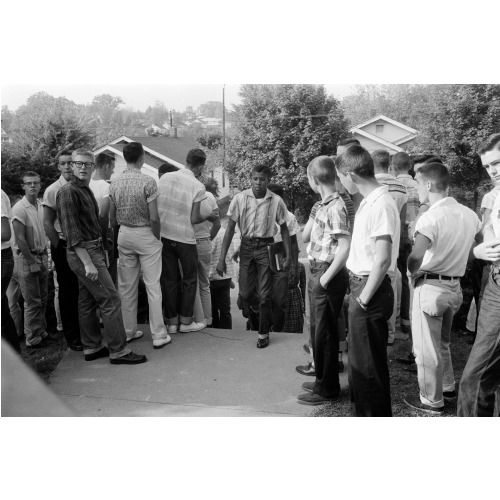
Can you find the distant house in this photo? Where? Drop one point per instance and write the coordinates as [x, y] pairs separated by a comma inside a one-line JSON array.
[[6, 138], [159, 150], [381, 132]]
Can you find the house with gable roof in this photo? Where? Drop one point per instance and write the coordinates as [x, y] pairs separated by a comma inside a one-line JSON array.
[[381, 132], [159, 150]]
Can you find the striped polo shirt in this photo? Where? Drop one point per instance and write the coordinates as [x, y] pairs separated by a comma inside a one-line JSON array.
[[396, 189], [413, 201]]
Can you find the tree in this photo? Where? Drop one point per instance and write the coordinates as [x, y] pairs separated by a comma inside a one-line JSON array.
[[285, 127], [7, 118], [211, 109]]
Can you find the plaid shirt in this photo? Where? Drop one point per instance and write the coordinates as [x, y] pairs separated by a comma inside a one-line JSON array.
[[413, 203], [330, 221], [78, 212], [257, 220], [130, 193]]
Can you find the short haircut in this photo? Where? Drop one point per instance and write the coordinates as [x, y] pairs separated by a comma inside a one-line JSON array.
[[103, 159], [14, 198], [165, 168], [29, 173], [211, 185], [425, 158], [357, 160], [436, 173], [348, 141], [132, 152], [322, 169], [262, 169], [381, 159], [493, 142], [64, 152], [82, 152], [196, 157], [276, 189], [401, 162]]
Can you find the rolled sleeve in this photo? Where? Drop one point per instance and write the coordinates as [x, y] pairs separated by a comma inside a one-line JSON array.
[[281, 212], [425, 228], [67, 213], [337, 221], [200, 196], [234, 209], [383, 222], [151, 191], [49, 198]]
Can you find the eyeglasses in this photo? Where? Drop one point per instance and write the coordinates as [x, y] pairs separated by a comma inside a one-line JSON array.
[[80, 164], [32, 183]]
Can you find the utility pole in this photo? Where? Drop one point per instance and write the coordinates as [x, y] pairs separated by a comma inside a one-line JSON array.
[[223, 131]]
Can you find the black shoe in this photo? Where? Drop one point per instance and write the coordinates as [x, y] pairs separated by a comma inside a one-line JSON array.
[[405, 328], [308, 387], [341, 366], [390, 343], [306, 370], [450, 395], [472, 340], [415, 403], [307, 348], [129, 359], [409, 360], [261, 343], [75, 345], [101, 353], [43, 343]]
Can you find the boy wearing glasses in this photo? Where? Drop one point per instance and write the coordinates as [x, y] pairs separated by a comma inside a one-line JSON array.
[[31, 247], [78, 213]]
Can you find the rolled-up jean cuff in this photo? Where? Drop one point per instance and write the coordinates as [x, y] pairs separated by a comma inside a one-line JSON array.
[[126, 350], [172, 321], [186, 321]]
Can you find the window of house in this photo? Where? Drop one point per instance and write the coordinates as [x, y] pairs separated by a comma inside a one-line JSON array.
[[379, 129]]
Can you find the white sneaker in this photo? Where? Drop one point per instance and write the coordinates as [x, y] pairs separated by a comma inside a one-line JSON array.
[[137, 335], [172, 328], [159, 343], [193, 327]]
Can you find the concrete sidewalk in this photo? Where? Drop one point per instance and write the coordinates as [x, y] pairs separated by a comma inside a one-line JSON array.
[[208, 373]]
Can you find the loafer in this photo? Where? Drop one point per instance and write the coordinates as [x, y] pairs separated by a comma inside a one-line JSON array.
[[307, 348], [314, 399], [449, 394], [137, 335], [159, 343], [306, 370], [409, 360], [101, 353], [411, 368], [75, 345], [192, 327], [262, 343], [415, 403], [129, 359], [308, 386]]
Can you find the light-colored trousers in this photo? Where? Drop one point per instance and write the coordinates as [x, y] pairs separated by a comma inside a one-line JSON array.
[[139, 249], [202, 310], [391, 323], [13, 296], [434, 305]]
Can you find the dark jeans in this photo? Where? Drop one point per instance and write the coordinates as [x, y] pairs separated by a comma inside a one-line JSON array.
[[99, 293], [312, 326], [368, 333], [9, 332], [280, 292], [481, 376], [404, 253], [256, 280], [68, 293], [174, 252], [327, 305], [221, 303]]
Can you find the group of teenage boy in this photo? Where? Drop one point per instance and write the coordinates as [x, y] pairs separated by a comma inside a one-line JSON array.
[[387, 227]]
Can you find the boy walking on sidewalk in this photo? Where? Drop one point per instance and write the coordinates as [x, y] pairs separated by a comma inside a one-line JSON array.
[[327, 252], [373, 254], [443, 239]]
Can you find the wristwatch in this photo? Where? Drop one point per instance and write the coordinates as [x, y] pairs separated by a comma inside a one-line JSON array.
[[361, 303]]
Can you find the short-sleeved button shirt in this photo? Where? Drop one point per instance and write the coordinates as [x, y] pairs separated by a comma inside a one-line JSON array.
[[49, 200], [377, 216], [130, 193], [413, 200], [495, 217], [7, 213], [291, 224], [256, 218], [203, 229], [178, 192], [451, 228], [489, 199], [331, 220], [396, 189], [32, 218], [100, 188]]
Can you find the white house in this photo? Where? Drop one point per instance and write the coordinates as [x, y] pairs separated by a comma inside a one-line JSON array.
[[381, 132], [159, 150]]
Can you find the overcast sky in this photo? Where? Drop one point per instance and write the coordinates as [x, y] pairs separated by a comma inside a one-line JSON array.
[[137, 96]]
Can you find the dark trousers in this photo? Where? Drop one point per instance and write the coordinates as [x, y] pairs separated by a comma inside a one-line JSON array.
[[174, 252], [221, 303], [68, 293], [368, 333], [327, 305], [9, 332], [404, 253], [280, 292], [256, 281]]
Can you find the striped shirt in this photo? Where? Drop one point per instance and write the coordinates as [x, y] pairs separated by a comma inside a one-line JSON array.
[[231, 271], [349, 205], [131, 193], [256, 217], [330, 221], [179, 191], [413, 200], [396, 189]]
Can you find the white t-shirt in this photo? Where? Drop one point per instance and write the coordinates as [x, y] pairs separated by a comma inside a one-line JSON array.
[[208, 205], [451, 228], [100, 188], [7, 212], [495, 217], [377, 216]]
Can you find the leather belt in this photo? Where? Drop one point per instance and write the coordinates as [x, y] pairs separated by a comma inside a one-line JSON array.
[[431, 276]]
